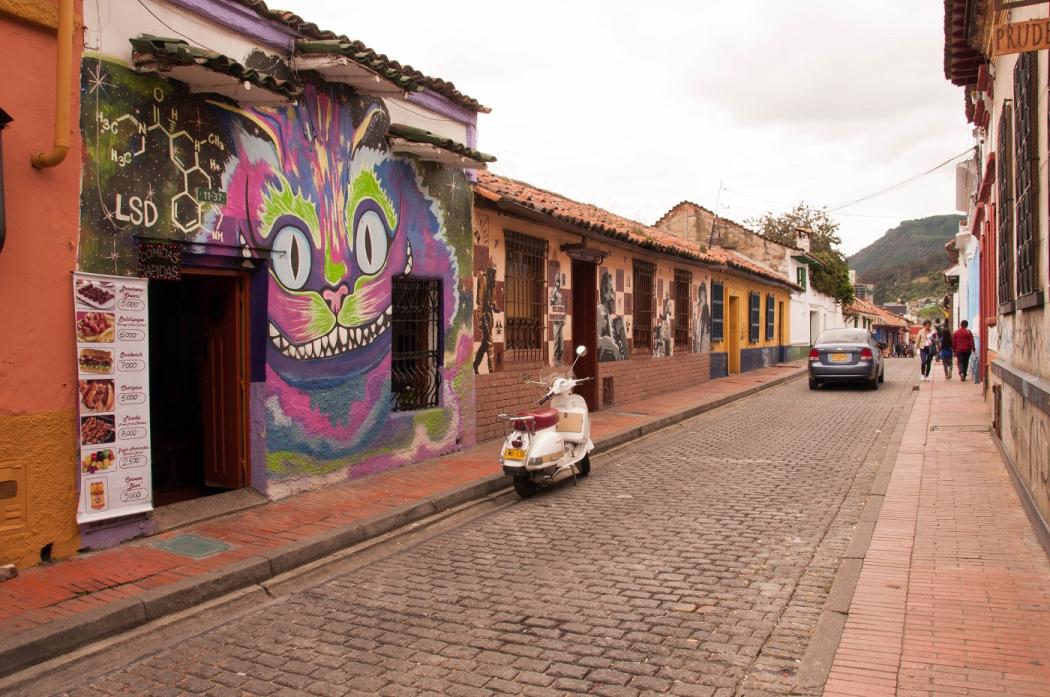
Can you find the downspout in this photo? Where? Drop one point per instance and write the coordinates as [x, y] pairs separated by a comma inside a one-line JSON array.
[[63, 87], [4, 120]]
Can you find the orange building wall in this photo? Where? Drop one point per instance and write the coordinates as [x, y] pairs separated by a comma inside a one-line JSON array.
[[37, 378]]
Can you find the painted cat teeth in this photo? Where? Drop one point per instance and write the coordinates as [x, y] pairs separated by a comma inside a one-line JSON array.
[[340, 340], [408, 264]]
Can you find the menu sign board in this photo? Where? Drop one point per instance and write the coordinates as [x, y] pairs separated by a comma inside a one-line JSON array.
[[113, 390]]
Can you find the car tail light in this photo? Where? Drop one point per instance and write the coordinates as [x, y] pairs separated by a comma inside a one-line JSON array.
[[865, 354], [814, 355]]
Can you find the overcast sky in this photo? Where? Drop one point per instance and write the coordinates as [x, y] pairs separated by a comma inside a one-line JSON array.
[[637, 106]]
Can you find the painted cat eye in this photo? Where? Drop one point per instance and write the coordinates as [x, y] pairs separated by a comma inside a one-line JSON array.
[[370, 242], [292, 258]]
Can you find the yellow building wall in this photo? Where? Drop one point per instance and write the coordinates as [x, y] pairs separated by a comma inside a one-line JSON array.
[[743, 354]]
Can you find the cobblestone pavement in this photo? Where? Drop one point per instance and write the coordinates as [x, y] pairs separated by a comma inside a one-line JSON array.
[[694, 562]]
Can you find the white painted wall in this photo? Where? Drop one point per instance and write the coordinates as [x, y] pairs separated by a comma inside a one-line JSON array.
[[804, 325]]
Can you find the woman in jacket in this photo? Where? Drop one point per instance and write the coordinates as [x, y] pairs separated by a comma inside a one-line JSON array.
[[926, 342]]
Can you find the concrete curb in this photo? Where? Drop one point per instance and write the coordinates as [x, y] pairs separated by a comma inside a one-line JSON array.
[[61, 636]]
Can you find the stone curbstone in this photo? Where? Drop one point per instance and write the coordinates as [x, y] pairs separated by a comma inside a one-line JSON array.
[[57, 637], [194, 590]]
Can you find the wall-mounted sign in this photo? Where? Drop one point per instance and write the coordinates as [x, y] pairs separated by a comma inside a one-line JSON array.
[[160, 261], [1014, 4], [113, 389], [1021, 37], [215, 196]]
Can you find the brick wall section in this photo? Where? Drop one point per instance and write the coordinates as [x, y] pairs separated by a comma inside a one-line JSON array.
[[504, 392], [643, 377]]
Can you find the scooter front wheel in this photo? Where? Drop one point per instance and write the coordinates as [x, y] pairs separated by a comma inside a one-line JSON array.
[[525, 487]]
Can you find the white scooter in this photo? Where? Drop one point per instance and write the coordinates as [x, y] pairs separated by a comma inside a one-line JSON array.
[[549, 444]]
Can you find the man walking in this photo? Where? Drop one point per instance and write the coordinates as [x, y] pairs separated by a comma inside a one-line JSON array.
[[962, 344]]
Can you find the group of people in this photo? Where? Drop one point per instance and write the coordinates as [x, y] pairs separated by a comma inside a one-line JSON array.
[[940, 341]]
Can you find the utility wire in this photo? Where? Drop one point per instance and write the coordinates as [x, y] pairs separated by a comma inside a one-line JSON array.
[[903, 182]]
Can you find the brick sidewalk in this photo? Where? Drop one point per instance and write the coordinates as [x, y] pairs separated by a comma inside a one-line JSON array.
[[65, 589], [954, 595]]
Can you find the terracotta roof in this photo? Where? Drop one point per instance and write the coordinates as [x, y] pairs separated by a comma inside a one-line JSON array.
[[961, 60], [391, 69], [883, 317], [170, 51], [495, 188], [418, 135]]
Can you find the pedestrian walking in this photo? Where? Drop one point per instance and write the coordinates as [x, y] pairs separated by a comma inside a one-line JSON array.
[[926, 342], [944, 340], [963, 345]]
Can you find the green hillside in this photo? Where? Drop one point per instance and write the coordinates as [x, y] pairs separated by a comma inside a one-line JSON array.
[[908, 260]]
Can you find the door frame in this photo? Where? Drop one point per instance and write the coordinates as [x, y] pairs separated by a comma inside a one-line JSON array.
[[242, 293], [733, 334]]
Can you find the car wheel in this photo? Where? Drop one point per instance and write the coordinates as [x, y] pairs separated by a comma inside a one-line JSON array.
[[813, 384], [873, 384], [882, 376]]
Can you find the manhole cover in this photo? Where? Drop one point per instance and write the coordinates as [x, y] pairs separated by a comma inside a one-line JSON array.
[[193, 546], [963, 428]]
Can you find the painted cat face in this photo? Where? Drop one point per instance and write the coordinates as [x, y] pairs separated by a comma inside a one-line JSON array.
[[315, 184]]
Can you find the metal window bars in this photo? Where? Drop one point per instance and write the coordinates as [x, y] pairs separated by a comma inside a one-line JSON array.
[[1004, 224], [717, 311], [1026, 164], [643, 307], [755, 307], [683, 281], [525, 287], [416, 355], [771, 304]]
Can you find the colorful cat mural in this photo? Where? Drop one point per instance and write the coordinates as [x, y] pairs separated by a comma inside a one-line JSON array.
[[312, 191]]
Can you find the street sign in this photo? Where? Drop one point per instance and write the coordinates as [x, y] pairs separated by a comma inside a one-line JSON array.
[[1021, 37]]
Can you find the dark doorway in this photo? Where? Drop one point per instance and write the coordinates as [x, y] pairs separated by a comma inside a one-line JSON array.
[[585, 328], [199, 378]]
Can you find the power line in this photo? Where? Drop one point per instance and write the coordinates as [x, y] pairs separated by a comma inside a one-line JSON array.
[[903, 182]]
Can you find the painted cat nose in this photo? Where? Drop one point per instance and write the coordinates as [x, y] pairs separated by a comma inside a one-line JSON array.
[[334, 298]]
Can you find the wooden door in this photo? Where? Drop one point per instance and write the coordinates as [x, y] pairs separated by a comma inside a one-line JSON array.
[[585, 328], [733, 334], [224, 378]]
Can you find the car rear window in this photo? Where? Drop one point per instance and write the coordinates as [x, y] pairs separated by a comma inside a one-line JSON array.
[[844, 336]]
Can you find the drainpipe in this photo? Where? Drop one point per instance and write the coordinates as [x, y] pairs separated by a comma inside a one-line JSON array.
[[63, 87], [4, 120]]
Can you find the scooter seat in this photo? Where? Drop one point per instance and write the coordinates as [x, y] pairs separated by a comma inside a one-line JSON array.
[[541, 418]]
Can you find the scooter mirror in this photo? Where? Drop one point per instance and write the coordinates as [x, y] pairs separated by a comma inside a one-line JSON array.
[[581, 351]]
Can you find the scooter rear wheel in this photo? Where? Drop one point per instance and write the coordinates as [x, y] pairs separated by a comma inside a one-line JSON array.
[[525, 487], [583, 467]]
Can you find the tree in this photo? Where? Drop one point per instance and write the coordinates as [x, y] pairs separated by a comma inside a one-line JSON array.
[[832, 277]]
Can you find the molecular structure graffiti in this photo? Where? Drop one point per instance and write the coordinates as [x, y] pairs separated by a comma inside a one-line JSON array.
[[166, 153]]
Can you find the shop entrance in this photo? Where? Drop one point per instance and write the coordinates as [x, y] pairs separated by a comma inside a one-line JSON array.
[[585, 329], [199, 379]]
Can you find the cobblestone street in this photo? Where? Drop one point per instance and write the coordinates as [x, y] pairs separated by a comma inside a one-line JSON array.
[[693, 562]]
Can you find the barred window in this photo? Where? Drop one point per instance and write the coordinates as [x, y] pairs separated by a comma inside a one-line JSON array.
[[643, 306], [525, 287], [801, 276], [1026, 163], [718, 293], [770, 316], [755, 306], [1004, 181], [415, 354], [683, 281]]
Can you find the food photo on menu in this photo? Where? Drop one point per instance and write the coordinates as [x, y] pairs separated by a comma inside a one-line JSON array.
[[96, 361], [97, 294], [95, 430], [97, 461], [96, 327], [97, 395]]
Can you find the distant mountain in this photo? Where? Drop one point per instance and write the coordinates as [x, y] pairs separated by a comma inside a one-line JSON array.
[[908, 260]]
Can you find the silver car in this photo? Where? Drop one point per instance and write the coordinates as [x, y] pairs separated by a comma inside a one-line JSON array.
[[846, 355]]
